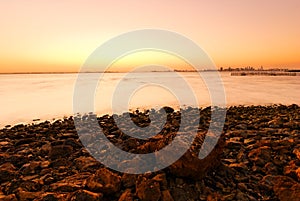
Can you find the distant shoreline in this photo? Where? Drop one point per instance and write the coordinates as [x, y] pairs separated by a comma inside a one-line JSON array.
[[181, 71]]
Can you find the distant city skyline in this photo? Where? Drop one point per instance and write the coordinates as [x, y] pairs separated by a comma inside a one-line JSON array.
[[58, 36]]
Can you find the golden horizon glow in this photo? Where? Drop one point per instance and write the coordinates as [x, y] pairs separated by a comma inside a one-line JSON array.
[[152, 60], [58, 36]]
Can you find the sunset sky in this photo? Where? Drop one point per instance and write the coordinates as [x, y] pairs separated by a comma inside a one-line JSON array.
[[58, 36]]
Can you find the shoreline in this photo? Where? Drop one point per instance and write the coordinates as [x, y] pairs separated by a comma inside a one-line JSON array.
[[259, 160], [38, 120]]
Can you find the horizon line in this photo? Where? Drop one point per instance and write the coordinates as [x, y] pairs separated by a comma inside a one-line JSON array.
[[149, 71]]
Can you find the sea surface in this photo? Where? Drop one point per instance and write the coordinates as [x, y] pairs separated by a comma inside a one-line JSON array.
[[28, 97]]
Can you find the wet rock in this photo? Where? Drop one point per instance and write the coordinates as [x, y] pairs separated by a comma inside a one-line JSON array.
[[104, 181]]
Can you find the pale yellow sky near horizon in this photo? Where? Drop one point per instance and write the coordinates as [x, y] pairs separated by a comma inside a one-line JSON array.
[[58, 36]]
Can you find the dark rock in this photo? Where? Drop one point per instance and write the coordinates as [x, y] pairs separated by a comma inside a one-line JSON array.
[[60, 162], [49, 197], [270, 168], [189, 165], [7, 172], [60, 151], [241, 196], [166, 196]]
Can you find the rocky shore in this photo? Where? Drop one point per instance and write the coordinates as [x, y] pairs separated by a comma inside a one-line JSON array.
[[256, 158]]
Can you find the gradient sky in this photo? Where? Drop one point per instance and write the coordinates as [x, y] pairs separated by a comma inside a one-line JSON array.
[[49, 35]]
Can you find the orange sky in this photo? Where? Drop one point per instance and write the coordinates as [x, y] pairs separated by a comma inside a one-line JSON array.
[[49, 35]]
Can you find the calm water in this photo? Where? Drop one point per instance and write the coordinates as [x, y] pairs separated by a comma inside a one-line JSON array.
[[25, 97]]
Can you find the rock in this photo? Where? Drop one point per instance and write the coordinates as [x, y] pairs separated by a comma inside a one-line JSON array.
[[239, 166], [69, 183], [166, 196], [25, 196], [7, 172], [168, 109], [45, 164], [261, 155], [30, 168], [11, 197], [128, 180], [161, 178], [84, 163], [190, 166], [84, 195], [241, 196], [60, 151], [126, 196], [185, 192], [147, 189], [297, 153], [49, 197], [291, 170], [45, 149], [64, 187], [241, 126], [104, 181], [270, 168], [242, 187], [232, 144], [60, 162], [286, 189]]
